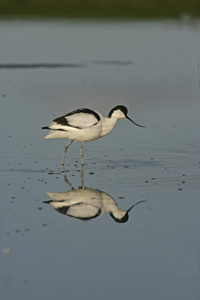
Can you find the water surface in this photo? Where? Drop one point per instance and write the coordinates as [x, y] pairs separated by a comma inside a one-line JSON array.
[[50, 68]]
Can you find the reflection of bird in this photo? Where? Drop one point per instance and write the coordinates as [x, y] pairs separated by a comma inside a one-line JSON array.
[[85, 125], [87, 203]]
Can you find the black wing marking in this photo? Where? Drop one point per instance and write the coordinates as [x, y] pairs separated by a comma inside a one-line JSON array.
[[72, 119]]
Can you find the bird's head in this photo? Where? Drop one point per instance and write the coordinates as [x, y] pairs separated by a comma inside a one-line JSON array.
[[120, 112]]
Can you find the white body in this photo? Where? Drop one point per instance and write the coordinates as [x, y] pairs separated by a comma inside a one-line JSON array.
[[85, 203], [91, 129], [85, 125]]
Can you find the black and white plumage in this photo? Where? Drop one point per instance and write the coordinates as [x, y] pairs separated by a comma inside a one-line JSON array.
[[85, 125], [87, 204]]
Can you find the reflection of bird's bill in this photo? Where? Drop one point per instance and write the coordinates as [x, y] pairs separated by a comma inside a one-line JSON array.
[[135, 205], [134, 122], [123, 218]]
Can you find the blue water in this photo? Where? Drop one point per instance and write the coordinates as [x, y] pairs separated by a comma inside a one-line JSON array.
[[153, 69]]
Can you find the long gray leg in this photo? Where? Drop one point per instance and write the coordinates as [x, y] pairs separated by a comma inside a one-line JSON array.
[[81, 153], [65, 149]]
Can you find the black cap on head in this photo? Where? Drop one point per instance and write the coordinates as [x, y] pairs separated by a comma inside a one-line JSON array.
[[118, 107], [124, 110], [124, 219]]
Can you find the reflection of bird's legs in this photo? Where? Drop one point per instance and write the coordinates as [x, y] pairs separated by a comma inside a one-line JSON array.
[[67, 181], [82, 180], [65, 149], [65, 177], [81, 153]]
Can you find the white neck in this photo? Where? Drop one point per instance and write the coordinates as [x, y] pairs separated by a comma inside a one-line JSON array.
[[108, 125]]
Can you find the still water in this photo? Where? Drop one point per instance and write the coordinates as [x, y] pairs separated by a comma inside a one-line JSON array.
[[47, 251]]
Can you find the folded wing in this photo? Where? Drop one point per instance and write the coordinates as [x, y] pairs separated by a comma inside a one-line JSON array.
[[80, 119]]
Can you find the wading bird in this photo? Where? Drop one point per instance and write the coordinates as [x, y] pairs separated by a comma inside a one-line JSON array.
[[85, 125]]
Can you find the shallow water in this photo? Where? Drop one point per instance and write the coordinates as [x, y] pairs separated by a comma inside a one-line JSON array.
[[55, 67]]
